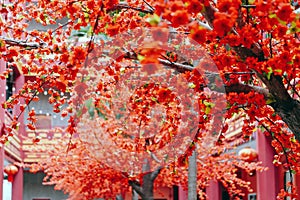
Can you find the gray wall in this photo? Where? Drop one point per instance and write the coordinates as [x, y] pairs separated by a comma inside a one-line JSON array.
[[33, 188]]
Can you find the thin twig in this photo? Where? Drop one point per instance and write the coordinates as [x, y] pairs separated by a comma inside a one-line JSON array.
[[22, 43], [61, 26], [270, 43], [153, 9], [126, 6], [292, 86]]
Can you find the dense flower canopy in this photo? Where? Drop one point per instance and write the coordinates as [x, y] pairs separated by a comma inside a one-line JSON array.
[[255, 46]]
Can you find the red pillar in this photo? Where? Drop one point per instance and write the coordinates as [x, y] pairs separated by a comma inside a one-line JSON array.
[[1, 167], [267, 181], [17, 185], [2, 114], [182, 194], [213, 191]]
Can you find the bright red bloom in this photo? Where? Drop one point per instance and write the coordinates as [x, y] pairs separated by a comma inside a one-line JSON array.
[[79, 54], [12, 52], [199, 35], [194, 6], [81, 88], [284, 11], [164, 94], [222, 23], [225, 5], [110, 3], [180, 18], [113, 29], [281, 30]]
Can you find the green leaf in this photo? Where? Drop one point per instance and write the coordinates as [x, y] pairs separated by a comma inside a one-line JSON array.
[[177, 47], [293, 28], [153, 20], [293, 140], [208, 104], [272, 15], [91, 111], [2, 43], [270, 100], [154, 99], [139, 100], [192, 85], [79, 113], [207, 110], [278, 70], [142, 14], [89, 102], [17, 127], [90, 107], [140, 57], [119, 116], [100, 114], [269, 73]]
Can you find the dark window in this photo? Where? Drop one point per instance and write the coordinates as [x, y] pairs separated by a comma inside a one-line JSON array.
[[10, 84], [41, 199], [175, 192]]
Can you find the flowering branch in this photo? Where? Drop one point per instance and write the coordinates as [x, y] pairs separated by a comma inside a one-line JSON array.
[[31, 45], [126, 6]]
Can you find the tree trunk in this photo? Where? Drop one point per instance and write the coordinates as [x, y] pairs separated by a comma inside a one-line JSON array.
[[135, 196], [147, 182], [146, 190], [119, 197], [284, 105], [192, 176], [148, 187]]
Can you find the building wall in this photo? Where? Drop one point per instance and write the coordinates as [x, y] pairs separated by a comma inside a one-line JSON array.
[[163, 193], [44, 107], [33, 188]]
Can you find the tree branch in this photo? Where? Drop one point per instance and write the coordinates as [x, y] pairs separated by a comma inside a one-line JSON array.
[[285, 106], [126, 6], [153, 156], [239, 88], [136, 187], [155, 173], [31, 45], [181, 68], [119, 197], [209, 13]]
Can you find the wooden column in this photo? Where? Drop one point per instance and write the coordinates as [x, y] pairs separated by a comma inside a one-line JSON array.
[[2, 114], [213, 191], [17, 186], [182, 194], [267, 181]]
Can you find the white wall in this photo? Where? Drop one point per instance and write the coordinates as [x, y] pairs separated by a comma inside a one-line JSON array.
[[7, 189]]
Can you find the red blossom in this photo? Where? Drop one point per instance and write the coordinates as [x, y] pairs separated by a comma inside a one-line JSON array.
[[179, 18], [222, 23], [81, 88], [194, 6], [199, 35], [285, 11]]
